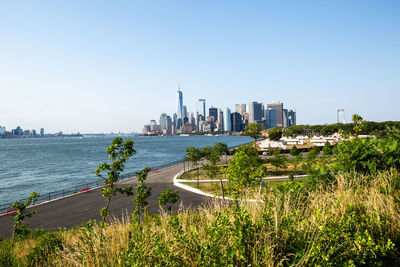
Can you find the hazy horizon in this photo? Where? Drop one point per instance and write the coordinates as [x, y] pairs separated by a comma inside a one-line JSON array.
[[100, 66]]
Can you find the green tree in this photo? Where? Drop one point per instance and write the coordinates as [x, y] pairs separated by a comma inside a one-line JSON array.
[[294, 151], [143, 192], [313, 153], [168, 197], [278, 160], [221, 148], [213, 155], [18, 227], [296, 162], [244, 168], [310, 158], [327, 149], [288, 132], [368, 155], [194, 155], [359, 124], [275, 133], [119, 152], [254, 129]]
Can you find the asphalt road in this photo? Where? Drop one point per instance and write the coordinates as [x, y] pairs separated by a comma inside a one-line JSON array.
[[74, 210]]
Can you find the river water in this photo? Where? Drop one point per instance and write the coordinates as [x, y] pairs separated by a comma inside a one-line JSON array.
[[50, 164]]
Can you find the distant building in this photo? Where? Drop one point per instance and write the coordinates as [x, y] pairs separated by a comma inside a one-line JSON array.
[[285, 116], [220, 120], [179, 100], [244, 110], [200, 118], [163, 121], [2, 130], [27, 133], [193, 121], [256, 111], [236, 122], [17, 131], [270, 118], [227, 120], [146, 129], [237, 108], [174, 119], [278, 106], [154, 126], [187, 128], [292, 118], [211, 121], [168, 124], [42, 132], [185, 113], [204, 126], [213, 112], [240, 108], [201, 108]]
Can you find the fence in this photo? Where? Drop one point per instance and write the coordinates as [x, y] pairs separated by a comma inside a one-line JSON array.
[[4, 207]]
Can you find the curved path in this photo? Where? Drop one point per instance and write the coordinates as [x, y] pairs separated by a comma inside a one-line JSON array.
[[73, 210]]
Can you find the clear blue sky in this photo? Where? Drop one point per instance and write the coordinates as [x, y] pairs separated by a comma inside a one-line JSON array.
[[101, 66]]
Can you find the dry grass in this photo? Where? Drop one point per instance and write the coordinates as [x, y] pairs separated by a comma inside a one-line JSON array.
[[159, 241]]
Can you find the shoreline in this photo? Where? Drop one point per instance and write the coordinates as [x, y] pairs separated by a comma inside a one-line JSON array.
[[126, 180], [55, 195]]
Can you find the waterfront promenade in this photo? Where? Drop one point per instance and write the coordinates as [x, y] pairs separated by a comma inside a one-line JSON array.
[[73, 210]]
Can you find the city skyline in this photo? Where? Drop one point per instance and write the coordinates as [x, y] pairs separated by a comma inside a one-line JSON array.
[[118, 66], [219, 120]]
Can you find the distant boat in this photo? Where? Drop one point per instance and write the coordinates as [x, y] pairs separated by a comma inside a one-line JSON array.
[[183, 135]]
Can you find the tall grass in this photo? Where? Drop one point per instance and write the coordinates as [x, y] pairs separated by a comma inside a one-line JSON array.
[[353, 221]]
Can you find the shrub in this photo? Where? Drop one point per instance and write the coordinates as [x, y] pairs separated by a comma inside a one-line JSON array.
[[368, 155], [6, 253], [46, 246]]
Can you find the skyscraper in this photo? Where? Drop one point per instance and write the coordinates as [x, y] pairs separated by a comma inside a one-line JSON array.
[[243, 107], [213, 112], [168, 128], [174, 120], [163, 121], [185, 113], [285, 122], [292, 118], [255, 112], [237, 108], [179, 103], [201, 108], [41, 132], [2, 130], [278, 106], [193, 121], [270, 118], [240, 108], [227, 120], [236, 122], [220, 120]]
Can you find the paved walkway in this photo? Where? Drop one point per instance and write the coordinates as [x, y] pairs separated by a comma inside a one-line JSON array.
[[74, 210]]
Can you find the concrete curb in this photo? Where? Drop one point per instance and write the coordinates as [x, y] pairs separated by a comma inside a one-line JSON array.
[[226, 180], [177, 183]]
